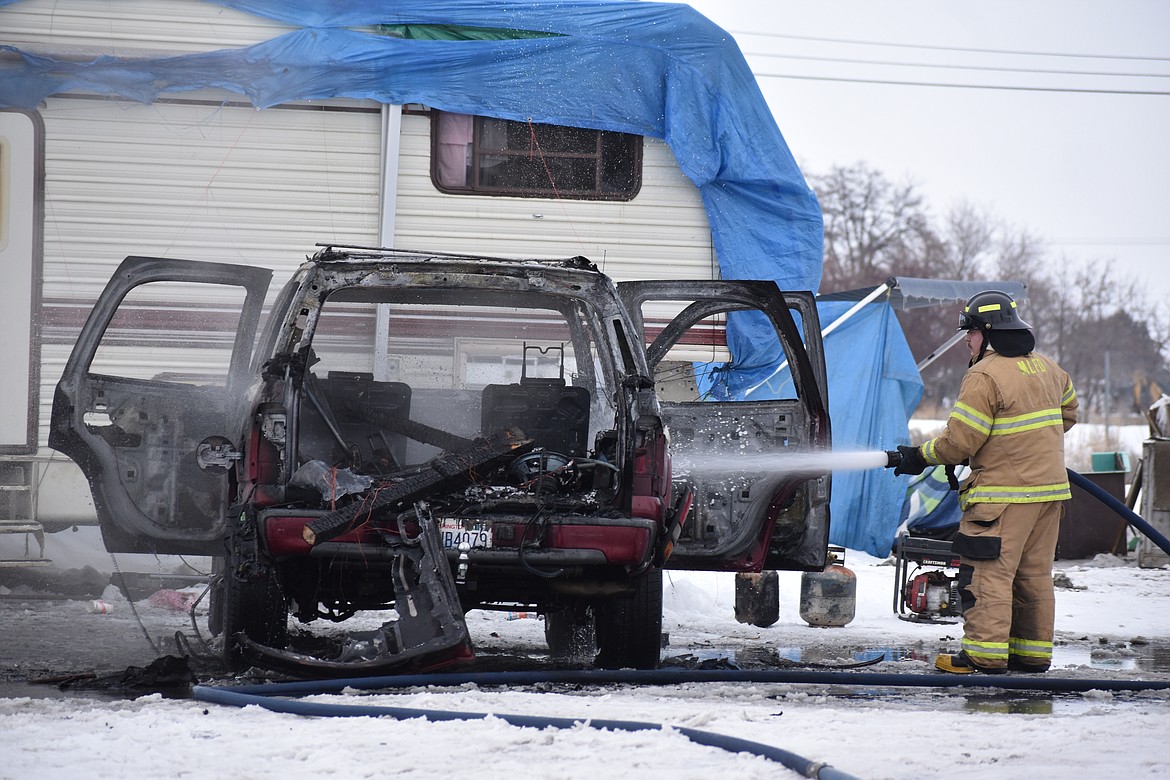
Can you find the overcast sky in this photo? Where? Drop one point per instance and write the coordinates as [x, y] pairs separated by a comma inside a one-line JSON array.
[[1086, 168]]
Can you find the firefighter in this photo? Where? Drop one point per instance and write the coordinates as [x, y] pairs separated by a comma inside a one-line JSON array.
[[1013, 409]]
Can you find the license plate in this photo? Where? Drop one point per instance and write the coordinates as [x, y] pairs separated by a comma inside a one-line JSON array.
[[455, 532]]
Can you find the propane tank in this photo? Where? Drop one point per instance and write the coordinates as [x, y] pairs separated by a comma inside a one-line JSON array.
[[757, 598], [829, 598]]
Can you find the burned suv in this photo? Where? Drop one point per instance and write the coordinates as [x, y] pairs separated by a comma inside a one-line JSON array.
[[426, 434]]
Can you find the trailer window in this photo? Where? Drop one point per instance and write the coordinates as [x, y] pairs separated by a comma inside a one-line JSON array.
[[476, 155]]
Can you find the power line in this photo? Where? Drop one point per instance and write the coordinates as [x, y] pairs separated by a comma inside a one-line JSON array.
[[1054, 71], [1083, 90], [952, 48], [1114, 242]]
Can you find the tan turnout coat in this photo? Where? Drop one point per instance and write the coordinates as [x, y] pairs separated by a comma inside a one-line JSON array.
[[1009, 422]]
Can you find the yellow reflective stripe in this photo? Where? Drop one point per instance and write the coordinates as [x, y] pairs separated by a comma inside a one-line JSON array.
[[990, 307], [1030, 648], [1015, 494], [972, 417], [1021, 491], [929, 455], [985, 651], [1069, 395], [1026, 422]]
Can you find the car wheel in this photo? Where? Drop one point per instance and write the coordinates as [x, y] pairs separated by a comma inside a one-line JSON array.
[[629, 630], [253, 604], [570, 633]]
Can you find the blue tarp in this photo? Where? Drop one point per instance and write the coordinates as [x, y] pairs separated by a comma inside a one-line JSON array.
[[654, 69], [874, 387], [931, 506]]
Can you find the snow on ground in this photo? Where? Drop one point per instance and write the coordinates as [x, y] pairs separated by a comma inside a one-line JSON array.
[[1112, 622]]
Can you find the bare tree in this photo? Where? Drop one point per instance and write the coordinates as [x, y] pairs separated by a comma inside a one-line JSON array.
[[870, 225], [971, 237], [875, 229], [1108, 315], [1021, 256]]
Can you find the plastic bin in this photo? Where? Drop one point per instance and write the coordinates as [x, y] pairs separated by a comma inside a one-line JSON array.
[[1110, 461], [1089, 527]]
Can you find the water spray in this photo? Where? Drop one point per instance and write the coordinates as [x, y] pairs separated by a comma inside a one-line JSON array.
[[814, 463]]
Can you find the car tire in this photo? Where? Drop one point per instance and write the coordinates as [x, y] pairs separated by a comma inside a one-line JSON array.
[[254, 606], [570, 634], [629, 629]]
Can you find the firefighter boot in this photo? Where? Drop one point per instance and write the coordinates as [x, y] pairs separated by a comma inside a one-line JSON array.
[[961, 663], [1016, 665]]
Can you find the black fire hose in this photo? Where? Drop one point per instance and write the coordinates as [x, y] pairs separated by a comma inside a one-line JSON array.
[[675, 676], [1120, 508]]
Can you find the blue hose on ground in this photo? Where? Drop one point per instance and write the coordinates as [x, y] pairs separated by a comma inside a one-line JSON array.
[[1120, 508], [803, 766]]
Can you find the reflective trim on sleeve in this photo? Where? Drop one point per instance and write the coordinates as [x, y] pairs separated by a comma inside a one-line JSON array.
[[972, 417], [1069, 396], [929, 455], [1026, 422]]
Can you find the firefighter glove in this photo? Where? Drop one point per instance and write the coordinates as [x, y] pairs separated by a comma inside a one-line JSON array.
[[912, 461]]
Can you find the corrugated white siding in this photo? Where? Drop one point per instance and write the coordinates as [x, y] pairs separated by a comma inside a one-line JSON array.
[[662, 233], [199, 176], [195, 179], [117, 26]]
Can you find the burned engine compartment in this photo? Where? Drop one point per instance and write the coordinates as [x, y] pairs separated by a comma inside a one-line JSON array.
[[505, 494]]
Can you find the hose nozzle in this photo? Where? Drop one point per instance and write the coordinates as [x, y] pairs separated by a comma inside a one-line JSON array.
[[893, 459]]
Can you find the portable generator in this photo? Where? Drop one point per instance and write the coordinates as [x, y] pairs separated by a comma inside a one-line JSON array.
[[921, 593]]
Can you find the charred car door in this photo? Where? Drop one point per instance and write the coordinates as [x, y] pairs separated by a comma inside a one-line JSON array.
[[739, 422], [159, 366]]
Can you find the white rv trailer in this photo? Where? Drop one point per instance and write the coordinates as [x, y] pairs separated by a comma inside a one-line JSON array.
[[86, 180]]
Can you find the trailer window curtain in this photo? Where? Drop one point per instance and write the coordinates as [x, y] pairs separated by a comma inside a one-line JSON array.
[[476, 155]]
